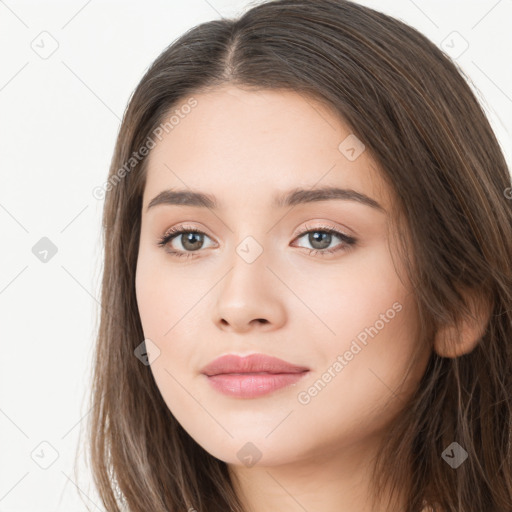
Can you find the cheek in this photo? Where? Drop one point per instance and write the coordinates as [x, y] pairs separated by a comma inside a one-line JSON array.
[[163, 315], [345, 298], [355, 390], [166, 300], [161, 293], [152, 301], [373, 326]]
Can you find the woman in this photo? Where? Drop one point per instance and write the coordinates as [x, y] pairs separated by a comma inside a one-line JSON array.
[[307, 282]]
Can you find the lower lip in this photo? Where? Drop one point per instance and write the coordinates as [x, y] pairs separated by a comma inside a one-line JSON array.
[[252, 385]]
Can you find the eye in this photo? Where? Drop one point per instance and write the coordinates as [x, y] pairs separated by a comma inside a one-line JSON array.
[[190, 243], [321, 237]]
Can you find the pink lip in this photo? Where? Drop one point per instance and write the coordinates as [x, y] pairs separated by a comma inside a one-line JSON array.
[[251, 376]]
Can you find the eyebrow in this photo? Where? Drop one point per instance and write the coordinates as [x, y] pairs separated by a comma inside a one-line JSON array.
[[290, 198]]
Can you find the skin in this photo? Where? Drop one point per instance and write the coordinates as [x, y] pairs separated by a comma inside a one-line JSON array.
[[243, 147]]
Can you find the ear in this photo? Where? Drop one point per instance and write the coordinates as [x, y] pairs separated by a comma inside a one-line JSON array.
[[455, 340]]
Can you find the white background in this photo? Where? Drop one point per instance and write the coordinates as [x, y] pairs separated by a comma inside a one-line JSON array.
[[59, 118]]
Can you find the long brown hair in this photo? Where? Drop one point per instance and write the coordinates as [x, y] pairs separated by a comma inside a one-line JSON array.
[[418, 117]]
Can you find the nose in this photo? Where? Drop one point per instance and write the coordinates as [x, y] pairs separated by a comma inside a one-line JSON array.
[[250, 297]]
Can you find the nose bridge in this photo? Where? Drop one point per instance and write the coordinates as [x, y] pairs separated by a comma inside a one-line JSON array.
[[250, 240], [247, 293], [248, 263]]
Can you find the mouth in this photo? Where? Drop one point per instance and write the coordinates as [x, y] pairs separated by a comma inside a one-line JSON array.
[[251, 376], [252, 385]]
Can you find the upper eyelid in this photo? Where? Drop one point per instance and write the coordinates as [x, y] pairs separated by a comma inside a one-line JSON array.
[[325, 226]]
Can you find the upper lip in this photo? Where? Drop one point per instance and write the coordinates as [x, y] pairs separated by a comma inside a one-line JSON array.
[[253, 363]]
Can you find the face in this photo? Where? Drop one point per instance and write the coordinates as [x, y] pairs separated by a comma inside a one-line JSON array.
[[311, 282]]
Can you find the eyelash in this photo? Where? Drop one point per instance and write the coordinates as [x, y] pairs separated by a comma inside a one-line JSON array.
[[348, 241]]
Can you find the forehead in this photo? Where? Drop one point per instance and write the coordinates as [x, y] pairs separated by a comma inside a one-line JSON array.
[[235, 143]]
